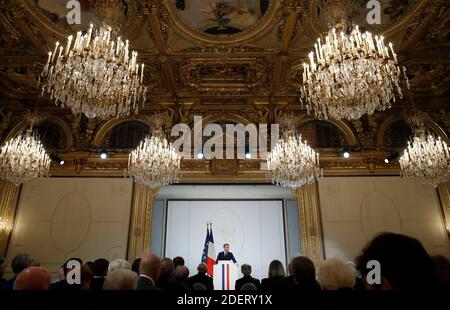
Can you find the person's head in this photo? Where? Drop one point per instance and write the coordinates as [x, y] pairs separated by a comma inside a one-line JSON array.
[[334, 274], [276, 269], [246, 270], [202, 268], [178, 261], [167, 268], [118, 264], [86, 277], [404, 263], [150, 265], [100, 267], [32, 279], [20, 262], [2, 267], [304, 272], [181, 273], [121, 279], [135, 265], [226, 247]]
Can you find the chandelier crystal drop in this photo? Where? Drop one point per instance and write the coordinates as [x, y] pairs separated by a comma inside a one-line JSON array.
[[95, 75], [154, 163], [426, 159], [350, 75], [24, 159], [293, 163]]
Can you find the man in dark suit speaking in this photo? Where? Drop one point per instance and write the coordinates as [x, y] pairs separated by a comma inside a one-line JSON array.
[[226, 254]]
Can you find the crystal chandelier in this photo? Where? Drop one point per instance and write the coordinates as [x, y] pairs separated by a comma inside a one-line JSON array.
[[426, 159], [24, 159], [293, 163], [95, 75], [350, 75], [154, 162]]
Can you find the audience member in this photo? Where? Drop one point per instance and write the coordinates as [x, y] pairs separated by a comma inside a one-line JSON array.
[[86, 277], [62, 284], [135, 265], [121, 279], [201, 277], [19, 263], [148, 272], [32, 278], [118, 264], [100, 270], [405, 265], [166, 278], [334, 274], [276, 276], [2, 271], [288, 283], [178, 261], [442, 265], [247, 278], [181, 274], [304, 273]]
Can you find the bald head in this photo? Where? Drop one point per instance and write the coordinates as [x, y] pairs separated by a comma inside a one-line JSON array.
[[202, 268], [33, 279], [150, 265]]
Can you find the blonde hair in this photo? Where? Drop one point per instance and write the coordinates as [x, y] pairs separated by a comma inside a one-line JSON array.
[[334, 274], [118, 264]]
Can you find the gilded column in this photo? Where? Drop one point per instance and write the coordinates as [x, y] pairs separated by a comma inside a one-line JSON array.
[[444, 195], [141, 220], [309, 220], [8, 204]]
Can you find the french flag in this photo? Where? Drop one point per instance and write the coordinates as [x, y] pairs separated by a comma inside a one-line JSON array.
[[209, 250]]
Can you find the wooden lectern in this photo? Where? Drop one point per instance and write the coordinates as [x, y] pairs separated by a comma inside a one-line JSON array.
[[225, 275]]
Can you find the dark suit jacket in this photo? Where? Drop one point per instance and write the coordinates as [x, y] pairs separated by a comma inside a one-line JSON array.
[[8, 285], [63, 285], [145, 284], [272, 284], [246, 279], [97, 284], [203, 279], [222, 256]]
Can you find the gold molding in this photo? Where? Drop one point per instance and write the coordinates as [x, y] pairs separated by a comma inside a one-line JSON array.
[[9, 194], [141, 221], [310, 222], [444, 195]]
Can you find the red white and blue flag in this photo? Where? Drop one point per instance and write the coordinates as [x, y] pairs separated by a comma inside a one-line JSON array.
[[209, 250]]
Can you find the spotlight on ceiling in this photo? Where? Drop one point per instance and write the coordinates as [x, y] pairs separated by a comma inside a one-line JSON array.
[[61, 162], [386, 161], [248, 155], [390, 158], [200, 155], [103, 154]]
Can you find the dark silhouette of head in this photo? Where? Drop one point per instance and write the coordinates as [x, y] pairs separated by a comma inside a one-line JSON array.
[[276, 269], [404, 263], [178, 261], [304, 272], [135, 265], [20, 262], [100, 267], [246, 270]]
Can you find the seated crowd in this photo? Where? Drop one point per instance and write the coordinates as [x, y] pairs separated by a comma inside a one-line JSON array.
[[404, 264]]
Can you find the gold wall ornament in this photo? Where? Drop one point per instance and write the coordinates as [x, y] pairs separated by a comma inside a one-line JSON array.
[[9, 194], [351, 74], [310, 222], [95, 75], [141, 221]]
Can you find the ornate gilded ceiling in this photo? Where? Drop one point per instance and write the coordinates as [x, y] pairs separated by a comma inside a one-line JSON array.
[[235, 59]]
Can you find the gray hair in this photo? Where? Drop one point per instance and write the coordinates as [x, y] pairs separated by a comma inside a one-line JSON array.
[[334, 274], [121, 279], [118, 264], [181, 273]]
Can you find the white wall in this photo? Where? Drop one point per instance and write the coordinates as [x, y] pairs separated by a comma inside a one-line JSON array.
[[354, 209], [59, 218], [254, 230]]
